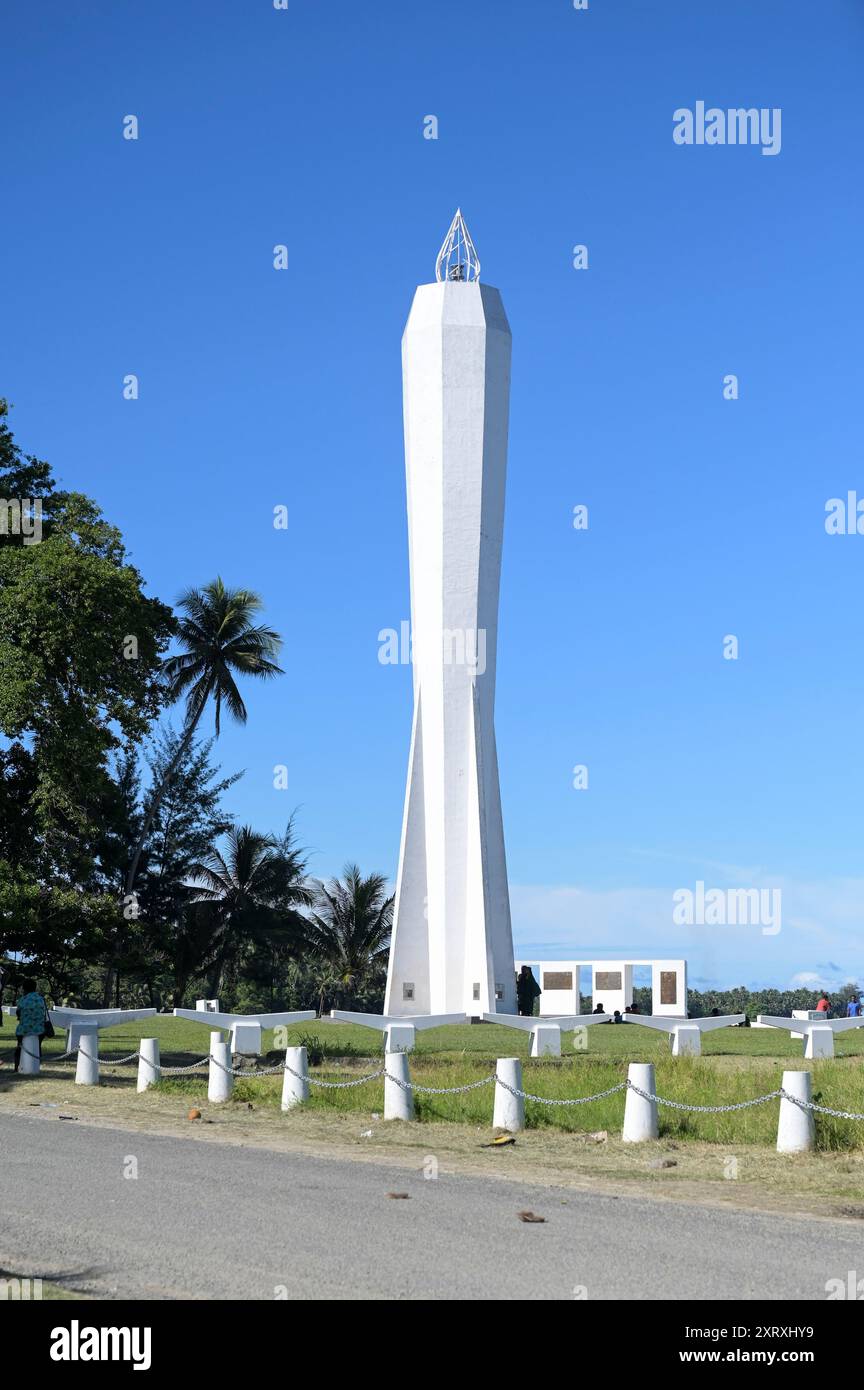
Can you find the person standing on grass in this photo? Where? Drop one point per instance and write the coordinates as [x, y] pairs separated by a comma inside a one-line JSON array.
[[32, 1012], [527, 990], [853, 1008], [824, 1005]]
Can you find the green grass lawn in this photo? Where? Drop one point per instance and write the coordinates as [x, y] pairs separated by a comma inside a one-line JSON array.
[[182, 1041], [737, 1064]]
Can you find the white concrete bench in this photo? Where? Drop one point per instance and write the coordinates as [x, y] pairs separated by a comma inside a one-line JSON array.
[[245, 1028], [82, 1033], [685, 1033], [78, 1021], [818, 1034], [399, 1032], [546, 1032]]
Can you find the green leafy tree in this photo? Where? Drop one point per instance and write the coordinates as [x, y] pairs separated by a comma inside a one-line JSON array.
[[220, 641], [348, 933], [259, 884], [81, 649]]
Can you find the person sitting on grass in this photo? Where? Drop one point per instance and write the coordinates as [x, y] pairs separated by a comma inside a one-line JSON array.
[[32, 1012]]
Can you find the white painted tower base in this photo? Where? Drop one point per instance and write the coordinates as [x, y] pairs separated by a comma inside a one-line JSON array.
[[796, 1129], [640, 1115]]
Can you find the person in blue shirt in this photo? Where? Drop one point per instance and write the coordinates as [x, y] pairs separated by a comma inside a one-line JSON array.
[[853, 1008], [32, 1012]]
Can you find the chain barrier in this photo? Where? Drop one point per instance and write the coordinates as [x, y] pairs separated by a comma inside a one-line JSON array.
[[439, 1090], [180, 1071], [707, 1109], [546, 1100], [822, 1109], [333, 1085], [627, 1085]]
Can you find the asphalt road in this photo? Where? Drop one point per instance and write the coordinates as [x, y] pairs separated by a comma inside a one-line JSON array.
[[204, 1220]]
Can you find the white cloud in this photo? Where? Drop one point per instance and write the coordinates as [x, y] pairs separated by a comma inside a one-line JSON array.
[[821, 940]]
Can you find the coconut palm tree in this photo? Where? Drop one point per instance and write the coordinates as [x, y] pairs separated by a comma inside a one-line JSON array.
[[221, 640], [258, 884], [348, 931]]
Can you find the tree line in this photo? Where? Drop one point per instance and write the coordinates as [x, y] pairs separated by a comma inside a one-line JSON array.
[[123, 877]]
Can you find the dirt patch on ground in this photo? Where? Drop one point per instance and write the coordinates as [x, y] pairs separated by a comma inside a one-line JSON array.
[[826, 1185]]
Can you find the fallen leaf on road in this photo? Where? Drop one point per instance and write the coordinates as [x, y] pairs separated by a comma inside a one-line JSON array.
[[499, 1141], [194, 1115], [531, 1218], [67, 1117]]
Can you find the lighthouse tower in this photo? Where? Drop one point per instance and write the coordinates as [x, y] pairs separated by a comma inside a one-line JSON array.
[[452, 948]]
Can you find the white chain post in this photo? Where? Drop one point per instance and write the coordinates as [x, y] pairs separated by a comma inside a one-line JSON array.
[[796, 1129], [640, 1115], [398, 1099], [221, 1080], [149, 1070], [509, 1110], [295, 1088], [87, 1068], [29, 1064], [216, 1038]]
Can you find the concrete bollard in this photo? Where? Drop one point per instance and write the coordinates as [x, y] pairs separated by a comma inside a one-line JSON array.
[[509, 1110], [87, 1067], [149, 1070], [820, 1042], [398, 1103], [29, 1064], [399, 1037], [221, 1082], [546, 1040], [686, 1041], [640, 1115], [216, 1040], [796, 1128], [295, 1089]]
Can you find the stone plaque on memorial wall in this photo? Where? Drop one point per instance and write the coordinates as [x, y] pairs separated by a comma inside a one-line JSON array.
[[558, 979], [607, 979], [668, 987]]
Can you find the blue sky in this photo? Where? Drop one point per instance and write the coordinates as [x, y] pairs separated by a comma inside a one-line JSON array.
[[260, 388]]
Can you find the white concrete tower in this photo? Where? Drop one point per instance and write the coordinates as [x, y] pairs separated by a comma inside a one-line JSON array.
[[452, 949]]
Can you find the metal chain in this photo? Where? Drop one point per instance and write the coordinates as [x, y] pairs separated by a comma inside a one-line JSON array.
[[627, 1085], [440, 1090], [822, 1109], [704, 1109], [545, 1100], [334, 1085]]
